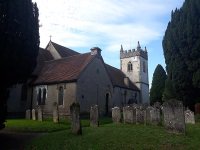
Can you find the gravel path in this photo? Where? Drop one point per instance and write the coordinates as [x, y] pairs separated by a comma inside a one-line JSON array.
[[14, 140]]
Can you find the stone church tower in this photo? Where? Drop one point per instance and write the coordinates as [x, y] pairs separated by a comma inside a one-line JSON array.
[[134, 64]]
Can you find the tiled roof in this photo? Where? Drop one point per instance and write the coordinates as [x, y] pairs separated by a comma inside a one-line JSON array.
[[63, 70], [64, 51], [117, 78], [43, 55]]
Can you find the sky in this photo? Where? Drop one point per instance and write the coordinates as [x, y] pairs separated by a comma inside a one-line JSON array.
[[83, 24]]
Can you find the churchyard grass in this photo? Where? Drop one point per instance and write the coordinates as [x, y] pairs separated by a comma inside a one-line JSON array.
[[107, 136], [120, 136], [22, 125]]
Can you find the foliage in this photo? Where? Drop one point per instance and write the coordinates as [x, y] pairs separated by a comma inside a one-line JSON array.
[[181, 45], [169, 92], [19, 45], [158, 84]]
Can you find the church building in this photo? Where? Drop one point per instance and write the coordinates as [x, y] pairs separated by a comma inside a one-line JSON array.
[[63, 76]]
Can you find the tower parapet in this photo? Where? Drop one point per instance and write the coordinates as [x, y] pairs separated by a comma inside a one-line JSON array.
[[134, 52]]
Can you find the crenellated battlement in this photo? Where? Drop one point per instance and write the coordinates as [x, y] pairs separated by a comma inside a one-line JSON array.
[[134, 52]]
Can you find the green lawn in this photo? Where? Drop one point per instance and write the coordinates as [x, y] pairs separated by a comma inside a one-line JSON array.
[[111, 136]]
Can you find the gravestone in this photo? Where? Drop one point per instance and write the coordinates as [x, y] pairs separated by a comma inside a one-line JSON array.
[[28, 114], [40, 114], [155, 116], [116, 115], [33, 114], [149, 115], [140, 115], [94, 116], [75, 119], [189, 117], [55, 114], [174, 119], [129, 114]]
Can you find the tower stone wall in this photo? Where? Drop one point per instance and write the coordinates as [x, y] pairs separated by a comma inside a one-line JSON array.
[[134, 64]]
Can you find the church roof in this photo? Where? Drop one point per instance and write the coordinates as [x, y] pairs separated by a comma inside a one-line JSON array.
[[117, 78], [63, 70], [64, 51], [43, 55]]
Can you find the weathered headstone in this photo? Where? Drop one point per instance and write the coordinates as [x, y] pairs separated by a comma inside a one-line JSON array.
[[28, 114], [75, 119], [174, 119], [116, 115], [141, 115], [155, 116], [94, 116], [33, 114], [55, 114], [129, 114], [148, 115], [189, 117], [40, 114]]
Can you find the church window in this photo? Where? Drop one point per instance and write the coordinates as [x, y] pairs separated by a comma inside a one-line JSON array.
[[39, 96], [60, 95], [44, 92], [130, 66], [144, 67]]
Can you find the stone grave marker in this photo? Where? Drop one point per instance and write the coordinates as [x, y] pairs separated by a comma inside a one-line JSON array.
[[129, 114], [94, 116], [174, 119], [75, 119], [189, 117], [28, 114], [55, 114], [33, 114], [116, 115], [40, 114]]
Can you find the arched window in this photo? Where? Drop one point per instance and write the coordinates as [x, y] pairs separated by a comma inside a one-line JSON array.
[[130, 66], [60, 95], [44, 92], [39, 96]]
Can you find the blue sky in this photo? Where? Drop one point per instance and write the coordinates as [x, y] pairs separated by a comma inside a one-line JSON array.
[[83, 24]]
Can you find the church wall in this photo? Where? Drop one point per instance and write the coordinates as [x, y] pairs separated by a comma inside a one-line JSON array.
[[53, 51], [52, 97], [120, 99], [93, 85]]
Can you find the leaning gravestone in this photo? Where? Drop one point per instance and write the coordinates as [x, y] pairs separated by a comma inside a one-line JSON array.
[[40, 114], [28, 114], [33, 114], [189, 117], [94, 116], [129, 114], [116, 115], [141, 115], [55, 114], [75, 119], [174, 119]]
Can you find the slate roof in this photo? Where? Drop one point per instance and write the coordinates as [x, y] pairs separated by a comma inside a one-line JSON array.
[[117, 78], [43, 55], [64, 51], [63, 70]]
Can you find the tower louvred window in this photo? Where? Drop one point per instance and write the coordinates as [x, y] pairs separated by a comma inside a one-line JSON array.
[[130, 66]]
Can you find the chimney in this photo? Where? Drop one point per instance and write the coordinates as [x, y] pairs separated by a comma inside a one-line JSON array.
[[96, 51], [126, 81]]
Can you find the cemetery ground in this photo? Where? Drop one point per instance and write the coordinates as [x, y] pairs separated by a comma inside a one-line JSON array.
[[107, 136]]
